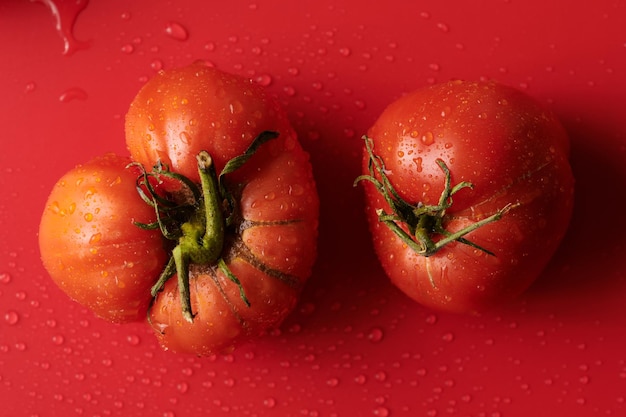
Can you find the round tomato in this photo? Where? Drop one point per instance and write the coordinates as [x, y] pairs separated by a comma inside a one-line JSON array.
[[89, 242], [242, 258], [469, 192]]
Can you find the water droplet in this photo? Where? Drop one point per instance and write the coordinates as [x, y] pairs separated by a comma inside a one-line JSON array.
[[65, 14], [58, 339], [5, 278], [133, 339], [296, 190], [185, 137], [95, 238], [30, 87], [381, 411], [127, 48], [345, 51], [448, 337], [375, 335], [428, 138], [443, 27], [380, 376], [176, 31], [264, 79], [11, 317], [73, 93], [290, 91], [269, 402], [156, 65], [332, 382], [360, 379]]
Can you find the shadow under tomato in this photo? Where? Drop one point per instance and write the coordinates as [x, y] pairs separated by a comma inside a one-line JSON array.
[[586, 274], [348, 281]]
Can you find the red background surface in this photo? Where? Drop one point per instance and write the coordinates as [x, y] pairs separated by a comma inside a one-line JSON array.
[[355, 346]]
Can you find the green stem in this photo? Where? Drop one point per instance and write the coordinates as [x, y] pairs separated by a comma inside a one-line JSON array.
[[200, 226], [423, 222]]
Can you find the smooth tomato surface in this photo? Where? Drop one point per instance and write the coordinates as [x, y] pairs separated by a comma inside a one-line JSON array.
[[513, 152], [90, 245], [270, 244], [183, 111]]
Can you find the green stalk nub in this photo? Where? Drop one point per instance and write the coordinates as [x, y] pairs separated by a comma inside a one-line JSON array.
[[423, 222], [197, 226]]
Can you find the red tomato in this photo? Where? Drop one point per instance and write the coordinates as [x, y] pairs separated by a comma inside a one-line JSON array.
[[240, 267], [503, 222], [90, 245], [183, 111]]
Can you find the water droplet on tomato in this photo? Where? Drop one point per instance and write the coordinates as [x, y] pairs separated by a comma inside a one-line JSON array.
[[185, 137], [264, 80], [270, 196], [296, 190], [269, 402], [95, 238], [418, 164], [428, 138]]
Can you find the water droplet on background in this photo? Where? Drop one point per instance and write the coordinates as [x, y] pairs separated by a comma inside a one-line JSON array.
[[176, 31], [73, 93], [65, 14], [11, 317]]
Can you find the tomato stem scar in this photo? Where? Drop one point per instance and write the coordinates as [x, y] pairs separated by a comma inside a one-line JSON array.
[[197, 223], [423, 222]]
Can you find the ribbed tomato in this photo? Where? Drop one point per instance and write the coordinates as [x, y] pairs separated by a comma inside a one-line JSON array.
[[241, 258], [89, 242]]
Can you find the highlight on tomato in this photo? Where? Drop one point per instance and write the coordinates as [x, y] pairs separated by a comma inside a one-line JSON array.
[[468, 192]]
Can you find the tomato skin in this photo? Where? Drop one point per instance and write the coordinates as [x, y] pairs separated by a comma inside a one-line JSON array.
[[271, 245], [183, 111], [90, 246], [513, 151], [222, 320]]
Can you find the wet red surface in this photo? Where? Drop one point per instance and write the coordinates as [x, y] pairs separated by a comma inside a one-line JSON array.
[[355, 345]]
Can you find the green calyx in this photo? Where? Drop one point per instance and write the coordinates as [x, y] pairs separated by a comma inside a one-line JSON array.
[[422, 222], [195, 218]]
